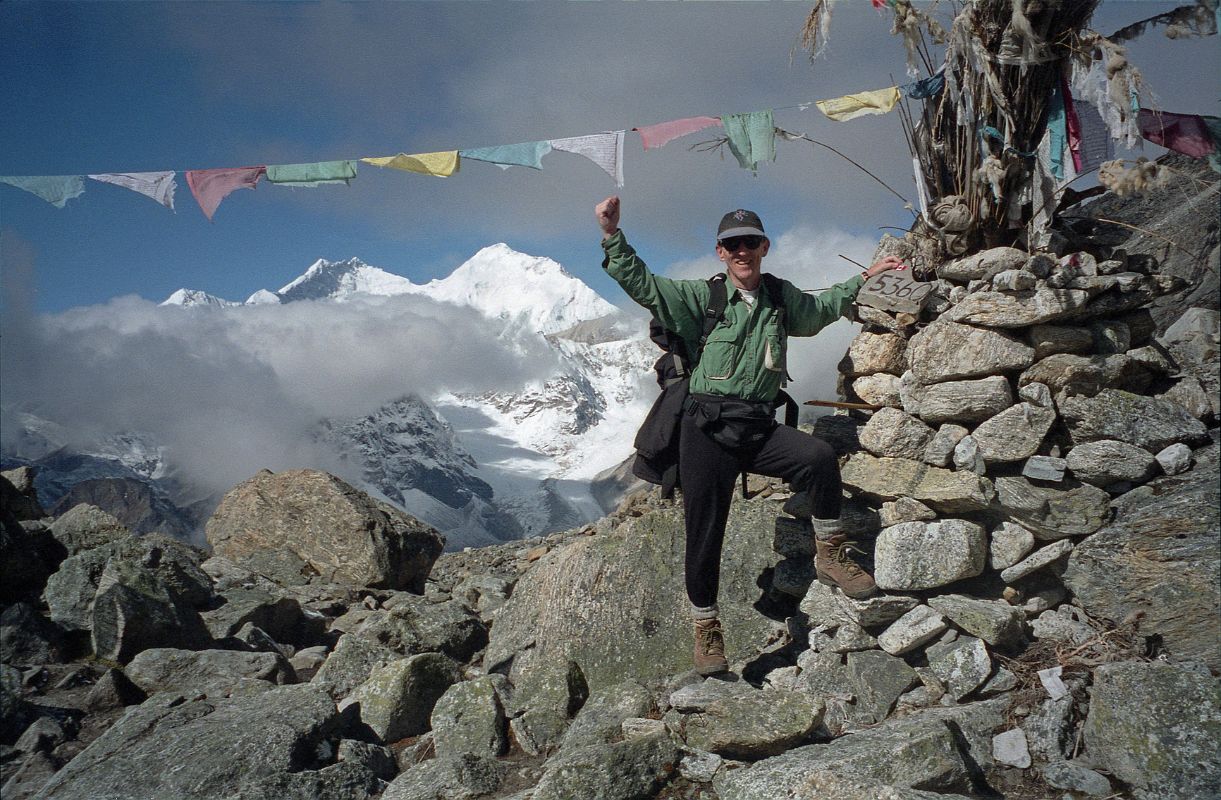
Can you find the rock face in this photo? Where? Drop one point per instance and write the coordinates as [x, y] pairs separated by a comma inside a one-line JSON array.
[[311, 523]]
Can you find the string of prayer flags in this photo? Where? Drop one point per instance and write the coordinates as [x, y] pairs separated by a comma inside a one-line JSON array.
[[523, 154], [311, 175], [159, 186], [752, 137], [55, 189], [654, 136], [851, 106], [604, 149], [1183, 133], [441, 164], [210, 186]]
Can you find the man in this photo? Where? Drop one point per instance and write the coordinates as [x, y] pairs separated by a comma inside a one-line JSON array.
[[728, 423]]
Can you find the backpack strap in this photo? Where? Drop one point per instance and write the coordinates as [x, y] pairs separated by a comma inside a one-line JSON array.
[[718, 298]]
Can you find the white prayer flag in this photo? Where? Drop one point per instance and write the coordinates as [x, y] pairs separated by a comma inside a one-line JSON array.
[[604, 149]]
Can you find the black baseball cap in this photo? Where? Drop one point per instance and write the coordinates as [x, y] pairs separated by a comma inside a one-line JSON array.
[[740, 223]]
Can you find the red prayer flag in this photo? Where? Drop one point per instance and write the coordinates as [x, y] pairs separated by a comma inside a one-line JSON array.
[[210, 186]]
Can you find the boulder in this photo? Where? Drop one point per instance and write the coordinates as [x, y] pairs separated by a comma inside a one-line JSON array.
[[1038, 560], [871, 353], [350, 664], [212, 672], [962, 666], [918, 626], [904, 509], [1053, 512], [1051, 339], [1192, 395], [398, 699], [1156, 727], [969, 401], [1174, 459], [627, 770], [1067, 375], [755, 724], [1160, 558], [564, 606], [870, 612], [315, 519], [462, 777], [879, 390], [281, 617], [135, 609], [545, 700], [891, 478], [84, 527], [18, 495], [1143, 421], [1018, 309], [968, 458], [415, 625], [113, 690], [925, 555], [877, 680], [23, 567], [983, 265], [28, 638], [15, 711], [995, 622], [469, 718], [601, 718], [1014, 434], [947, 351], [1107, 461], [895, 434], [218, 747], [1009, 544], [940, 449], [1044, 468]]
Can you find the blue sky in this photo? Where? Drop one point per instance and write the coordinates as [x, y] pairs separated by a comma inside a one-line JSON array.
[[112, 86]]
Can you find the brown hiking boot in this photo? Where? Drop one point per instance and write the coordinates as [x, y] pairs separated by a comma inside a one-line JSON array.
[[836, 568], [709, 647]]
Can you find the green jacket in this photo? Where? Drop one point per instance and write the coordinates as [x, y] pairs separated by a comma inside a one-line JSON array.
[[744, 356]]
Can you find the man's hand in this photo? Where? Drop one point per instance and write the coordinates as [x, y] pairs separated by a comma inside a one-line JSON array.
[[887, 263], [607, 215]]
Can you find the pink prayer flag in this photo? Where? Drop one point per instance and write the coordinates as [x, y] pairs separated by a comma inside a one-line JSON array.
[[210, 186], [1182, 133], [657, 135], [1071, 123]]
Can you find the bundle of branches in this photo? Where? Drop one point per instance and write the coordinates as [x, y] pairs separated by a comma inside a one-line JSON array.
[[977, 141]]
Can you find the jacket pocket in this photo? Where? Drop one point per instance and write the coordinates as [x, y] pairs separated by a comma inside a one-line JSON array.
[[773, 353], [720, 355]]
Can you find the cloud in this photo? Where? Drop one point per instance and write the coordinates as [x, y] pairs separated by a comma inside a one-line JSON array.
[[230, 391]]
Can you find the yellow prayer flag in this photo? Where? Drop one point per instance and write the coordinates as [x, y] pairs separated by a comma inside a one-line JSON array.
[[851, 106], [441, 164]]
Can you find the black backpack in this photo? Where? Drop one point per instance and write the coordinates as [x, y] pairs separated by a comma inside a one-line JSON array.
[[657, 439]]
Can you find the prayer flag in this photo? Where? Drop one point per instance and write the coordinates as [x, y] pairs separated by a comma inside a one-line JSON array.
[[1183, 133], [159, 186], [441, 164], [210, 186], [1095, 145], [55, 189], [604, 149], [654, 136], [523, 154], [310, 175], [752, 137], [851, 106], [927, 87]]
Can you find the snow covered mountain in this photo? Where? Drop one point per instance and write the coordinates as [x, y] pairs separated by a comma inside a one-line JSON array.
[[505, 463]]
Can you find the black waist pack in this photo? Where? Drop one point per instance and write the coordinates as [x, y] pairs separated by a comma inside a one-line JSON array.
[[730, 422]]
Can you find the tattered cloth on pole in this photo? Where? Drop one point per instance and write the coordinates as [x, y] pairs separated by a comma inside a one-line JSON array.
[[604, 149], [1183, 133], [522, 154], [752, 137], [210, 186], [310, 175], [441, 164], [654, 136], [55, 189], [159, 186], [1113, 97], [851, 106]]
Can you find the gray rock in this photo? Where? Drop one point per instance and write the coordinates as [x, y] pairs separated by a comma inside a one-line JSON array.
[[1143, 421], [1014, 434], [905, 509], [462, 777], [968, 458], [544, 702], [1194, 336], [870, 612], [469, 718], [821, 607], [878, 680], [1037, 560], [700, 767], [1076, 778], [1038, 394], [212, 672], [15, 711], [1053, 512], [219, 748], [825, 675], [282, 618], [312, 518], [630, 770], [28, 778], [601, 719], [637, 727], [983, 265], [1010, 544], [893, 433], [484, 593], [793, 576], [964, 666], [1174, 459], [794, 538], [940, 449], [85, 527], [872, 353], [1044, 468], [753, 725], [918, 626], [346, 780], [1018, 309], [1013, 280], [134, 609], [919, 555], [945, 491], [997, 623], [1009, 747], [43, 734], [27, 637], [851, 638], [113, 690], [969, 401], [1051, 339], [1068, 375], [695, 698], [18, 495], [1110, 337], [1107, 461], [397, 700], [414, 625], [25, 562], [1156, 727], [375, 758], [879, 390], [947, 351], [840, 787], [1160, 560], [1191, 394], [350, 664]]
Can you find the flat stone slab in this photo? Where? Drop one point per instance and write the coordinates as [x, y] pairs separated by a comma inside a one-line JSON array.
[[996, 622], [921, 624], [1146, 422], [1036, 561], [942, 489], [754, 725], [1053, 512]]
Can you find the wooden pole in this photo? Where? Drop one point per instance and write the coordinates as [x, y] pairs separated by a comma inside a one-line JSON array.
[[839, 404]]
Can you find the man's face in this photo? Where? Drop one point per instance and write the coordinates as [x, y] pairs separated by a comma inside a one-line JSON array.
[[742, 262]]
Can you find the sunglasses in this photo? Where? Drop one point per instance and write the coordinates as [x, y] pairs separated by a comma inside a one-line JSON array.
[[734, 242]]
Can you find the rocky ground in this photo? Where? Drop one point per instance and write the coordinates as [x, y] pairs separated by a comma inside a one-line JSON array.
[[1037, 495]]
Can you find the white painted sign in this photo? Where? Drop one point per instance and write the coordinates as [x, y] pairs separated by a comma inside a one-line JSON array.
[[895, 291]]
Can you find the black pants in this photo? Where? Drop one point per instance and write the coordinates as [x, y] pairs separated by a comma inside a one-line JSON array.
[[708, 473]]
